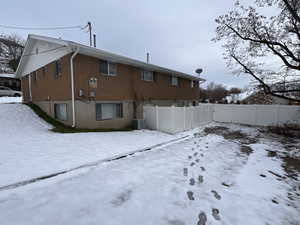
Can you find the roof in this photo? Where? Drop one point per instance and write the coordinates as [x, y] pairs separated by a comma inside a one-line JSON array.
[[98, 53], [7, 75]]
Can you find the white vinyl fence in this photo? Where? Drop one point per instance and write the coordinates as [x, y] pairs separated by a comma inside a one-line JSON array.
[[173, 119]]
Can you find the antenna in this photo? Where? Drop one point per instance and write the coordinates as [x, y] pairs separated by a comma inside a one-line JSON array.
[[199, 71], [148, 57]]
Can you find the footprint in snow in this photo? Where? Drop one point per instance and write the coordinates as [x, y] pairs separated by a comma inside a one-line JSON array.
[[190, 157], [196, 153], [200, 179], [192, 164], [197, 160], [192, 181], [190, 195], [217, 196], [202, 168], [202, 218], [215, 214], [122, 198], [185, 172]]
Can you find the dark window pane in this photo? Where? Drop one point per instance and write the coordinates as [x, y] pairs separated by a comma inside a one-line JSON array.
[[119, 113], [60, 111], [103, 67], [98, 112], [108, 111], [58, 68]]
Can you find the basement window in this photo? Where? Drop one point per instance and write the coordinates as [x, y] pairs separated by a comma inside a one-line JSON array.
[[60, 111], [109, 111], [108, 68], [147, 76], [174, 81]]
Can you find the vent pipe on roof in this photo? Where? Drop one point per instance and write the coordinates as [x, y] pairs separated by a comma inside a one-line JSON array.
[[94, 35], [148, 57]]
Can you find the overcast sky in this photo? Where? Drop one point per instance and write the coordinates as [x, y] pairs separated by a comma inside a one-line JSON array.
[[177, 33]]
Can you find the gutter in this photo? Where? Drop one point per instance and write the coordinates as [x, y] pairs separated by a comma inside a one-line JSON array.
[[72, 86]]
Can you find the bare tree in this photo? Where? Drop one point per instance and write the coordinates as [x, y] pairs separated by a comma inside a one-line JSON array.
[[215, 92], [14, 47], [266, 47]]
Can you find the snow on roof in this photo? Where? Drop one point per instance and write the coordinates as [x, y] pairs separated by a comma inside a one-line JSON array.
[[8, 75]]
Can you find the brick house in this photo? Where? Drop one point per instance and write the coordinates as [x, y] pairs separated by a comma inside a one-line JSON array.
[[85, 87]]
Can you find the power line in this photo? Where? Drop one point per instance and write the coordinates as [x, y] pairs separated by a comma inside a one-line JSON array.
[[42, 28]]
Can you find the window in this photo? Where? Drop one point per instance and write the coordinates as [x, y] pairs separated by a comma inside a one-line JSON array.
[[58, 69], [174, 81], [44, 71], [192, 83], [108, 68], [108, 111], [147, 76], [60, 111], [34, 77]]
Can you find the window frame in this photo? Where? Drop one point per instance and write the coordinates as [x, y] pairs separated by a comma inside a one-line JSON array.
[[57, 69], [55, 111], [117, 115], [35, 77], [192, 84], [143, 77], [177, 81], [108, 68]]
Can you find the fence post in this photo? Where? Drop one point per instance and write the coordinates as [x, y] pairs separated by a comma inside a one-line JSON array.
[[173, 118], [277, 115], [255, 115], [156, 117], [184, 117]]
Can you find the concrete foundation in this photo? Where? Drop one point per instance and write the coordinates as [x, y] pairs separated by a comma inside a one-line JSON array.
[[85, 112]]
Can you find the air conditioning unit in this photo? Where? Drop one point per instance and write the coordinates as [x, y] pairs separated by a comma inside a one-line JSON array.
[[139, 124]]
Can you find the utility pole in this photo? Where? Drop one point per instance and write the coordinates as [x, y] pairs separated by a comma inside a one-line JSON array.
[[90, 30]]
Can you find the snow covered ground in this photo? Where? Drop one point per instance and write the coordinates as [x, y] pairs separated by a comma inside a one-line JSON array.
[[225, 174], [29, 150], [10, 99], [207, 179]]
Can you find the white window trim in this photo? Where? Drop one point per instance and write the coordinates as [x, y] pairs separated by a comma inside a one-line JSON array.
[[108, 69]]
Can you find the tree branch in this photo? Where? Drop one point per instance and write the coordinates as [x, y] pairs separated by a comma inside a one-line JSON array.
[[266, 87], [292, 11], [269, 45]]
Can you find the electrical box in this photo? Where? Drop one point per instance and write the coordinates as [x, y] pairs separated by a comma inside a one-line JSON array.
[[93, 82], [92, 94]]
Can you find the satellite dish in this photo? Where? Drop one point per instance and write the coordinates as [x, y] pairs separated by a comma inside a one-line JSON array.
[[199, 70]]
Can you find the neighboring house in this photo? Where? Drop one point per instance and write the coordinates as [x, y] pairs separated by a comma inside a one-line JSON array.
[[260, 98], [9, 80], [89, 88]]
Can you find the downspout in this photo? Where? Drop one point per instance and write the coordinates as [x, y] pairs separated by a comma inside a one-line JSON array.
[[29, 86], [72, 87]]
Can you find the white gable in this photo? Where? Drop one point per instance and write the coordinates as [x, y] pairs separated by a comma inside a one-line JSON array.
[[39, 53]]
